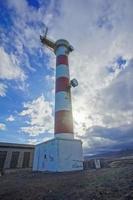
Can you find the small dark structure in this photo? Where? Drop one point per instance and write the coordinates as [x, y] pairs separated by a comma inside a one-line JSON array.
[[93, 164]]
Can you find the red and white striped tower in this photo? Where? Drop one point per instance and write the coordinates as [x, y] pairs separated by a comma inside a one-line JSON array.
[[65, 151], [63, 107]]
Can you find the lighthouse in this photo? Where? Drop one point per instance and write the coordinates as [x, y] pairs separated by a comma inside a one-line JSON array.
[[63, 107], [63, 152]]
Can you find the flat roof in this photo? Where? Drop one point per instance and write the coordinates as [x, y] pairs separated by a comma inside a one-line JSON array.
[[15, 145]]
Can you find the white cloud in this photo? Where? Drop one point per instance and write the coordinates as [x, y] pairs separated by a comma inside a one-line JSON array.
[[10, 118], [123, 84], [3, 89], [29, 22], [32, 141], [115, 103], [40, 118], [100, 31], [2, 127], [9, 68], [33, 130], [20, 7], [36, 140]]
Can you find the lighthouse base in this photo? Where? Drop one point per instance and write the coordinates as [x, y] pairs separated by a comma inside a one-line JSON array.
[[58, 155]]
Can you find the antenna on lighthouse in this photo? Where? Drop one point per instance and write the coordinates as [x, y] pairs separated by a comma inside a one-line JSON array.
[[46, 32], [46, 41]]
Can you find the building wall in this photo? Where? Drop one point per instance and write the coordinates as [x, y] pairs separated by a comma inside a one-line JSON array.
[[15, 156], [58, 155]]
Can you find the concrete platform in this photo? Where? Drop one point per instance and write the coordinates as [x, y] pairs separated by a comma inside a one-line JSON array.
[[58, 155]]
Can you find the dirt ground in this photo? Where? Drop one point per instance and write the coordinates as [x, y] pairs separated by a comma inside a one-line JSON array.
[[102, 184]]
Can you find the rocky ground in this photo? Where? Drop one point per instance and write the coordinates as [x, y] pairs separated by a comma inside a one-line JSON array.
[[103, 184]]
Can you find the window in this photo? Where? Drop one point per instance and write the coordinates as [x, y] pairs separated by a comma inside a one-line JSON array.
[[2, 159], [14, 159], [26, 159]]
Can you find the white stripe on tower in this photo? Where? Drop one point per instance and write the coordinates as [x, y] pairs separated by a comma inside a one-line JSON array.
[[62, 71], [63, 100], [63, 107]]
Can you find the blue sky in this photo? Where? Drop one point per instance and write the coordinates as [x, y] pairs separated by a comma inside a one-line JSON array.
[[101, 33]]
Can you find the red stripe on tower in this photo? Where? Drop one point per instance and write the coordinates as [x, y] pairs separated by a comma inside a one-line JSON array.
[[62, 59], [62, 84], [63, 122]]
